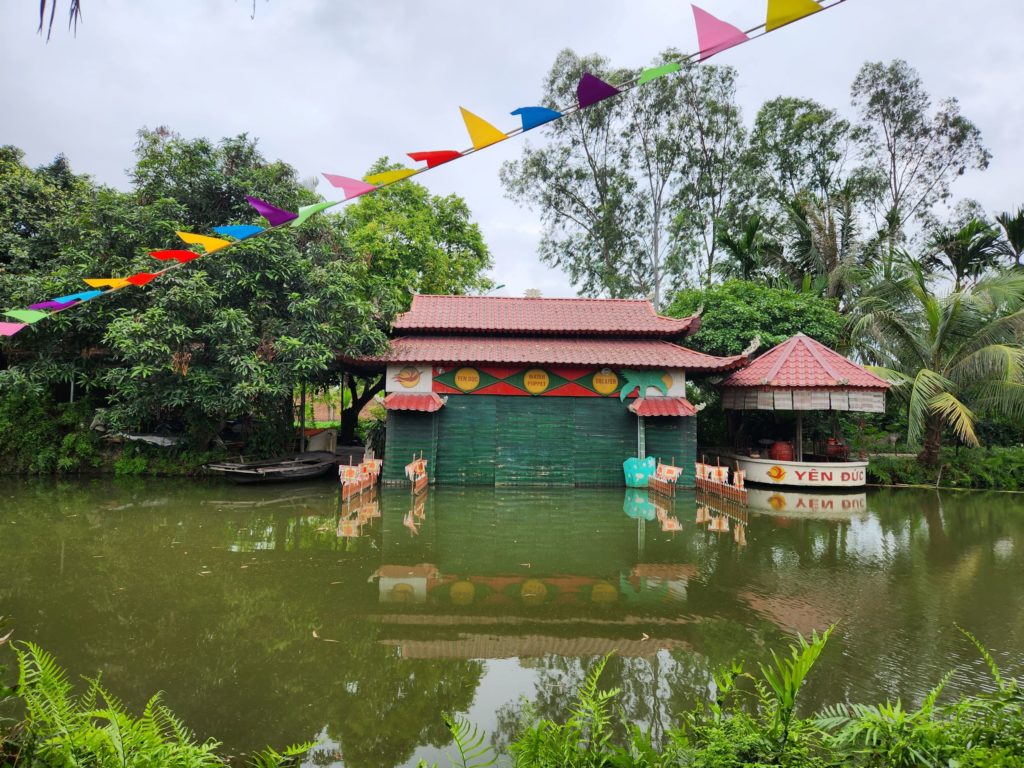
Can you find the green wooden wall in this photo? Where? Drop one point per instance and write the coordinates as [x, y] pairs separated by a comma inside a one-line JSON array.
[[539, 441], [673, 440]]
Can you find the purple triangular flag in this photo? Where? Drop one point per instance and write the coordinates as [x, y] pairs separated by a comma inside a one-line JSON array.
[[592, 90], [271, 213]]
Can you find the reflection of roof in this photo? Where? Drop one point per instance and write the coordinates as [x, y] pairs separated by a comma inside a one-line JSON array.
[[503, 646], [401, 401], [662, 406], [584, 317], [637, 353], [803, 362]]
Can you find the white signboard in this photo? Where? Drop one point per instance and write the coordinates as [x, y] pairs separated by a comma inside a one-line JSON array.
[[409, 378], [826, 474]]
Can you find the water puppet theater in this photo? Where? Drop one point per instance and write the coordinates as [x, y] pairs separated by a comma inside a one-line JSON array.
[[544, 392], [798, 376]]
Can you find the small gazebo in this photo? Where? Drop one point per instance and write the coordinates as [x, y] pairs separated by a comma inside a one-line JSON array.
[[801, 375]]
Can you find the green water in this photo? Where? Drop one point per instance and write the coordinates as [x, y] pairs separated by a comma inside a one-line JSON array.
[[271, 615]]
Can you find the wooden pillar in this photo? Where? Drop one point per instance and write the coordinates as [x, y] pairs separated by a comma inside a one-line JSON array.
[[641, 438], [302, 418], [799, 436]]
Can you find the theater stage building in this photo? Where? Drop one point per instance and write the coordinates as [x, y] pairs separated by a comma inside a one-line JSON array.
[[550, 392]]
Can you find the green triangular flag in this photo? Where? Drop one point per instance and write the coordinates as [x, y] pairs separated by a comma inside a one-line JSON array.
[[655, 72], [27, 315], [306, 211]]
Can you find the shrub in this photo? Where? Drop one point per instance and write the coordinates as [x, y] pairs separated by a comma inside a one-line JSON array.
[[997, 468]]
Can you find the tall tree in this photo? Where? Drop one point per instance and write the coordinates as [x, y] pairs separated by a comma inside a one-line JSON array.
[[714, 185], [612, 180], [797, 147], [913, 149]]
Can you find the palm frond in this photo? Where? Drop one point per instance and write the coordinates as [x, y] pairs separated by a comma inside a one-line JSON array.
[[957, 415], [928, 385]]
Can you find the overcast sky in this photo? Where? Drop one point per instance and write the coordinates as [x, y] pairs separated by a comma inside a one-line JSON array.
[[330, 85]]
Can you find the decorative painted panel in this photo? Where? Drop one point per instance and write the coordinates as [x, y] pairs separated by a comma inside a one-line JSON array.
[[550, 382], [409, 378]]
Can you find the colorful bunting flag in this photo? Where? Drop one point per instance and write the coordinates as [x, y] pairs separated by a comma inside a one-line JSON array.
[[481, 133], [306, 211], [534, 116], [179, 256], [27, 316], [783, 12], [52, 304], [111, 282], [713, 34], [389, 177], [351, 187], [276, 216], [592, 90], [653, 73], [144, 277], [76, 297], [9, 329], [238, 231], [436, 157], [211, 244]]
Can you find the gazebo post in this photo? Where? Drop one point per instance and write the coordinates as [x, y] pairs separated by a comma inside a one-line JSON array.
[[799, 436]]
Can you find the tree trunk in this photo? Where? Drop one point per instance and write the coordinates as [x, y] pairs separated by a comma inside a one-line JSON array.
[[929, 455], [350, 415]]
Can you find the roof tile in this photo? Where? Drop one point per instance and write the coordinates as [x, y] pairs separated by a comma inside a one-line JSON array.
[[636, 353], [802, 362], [662, 406], [496, 314]]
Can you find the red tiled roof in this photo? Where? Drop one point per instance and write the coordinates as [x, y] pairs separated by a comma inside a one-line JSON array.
[[581, 317], [803, 362], [638, 353], [402, 401], [662, 406]]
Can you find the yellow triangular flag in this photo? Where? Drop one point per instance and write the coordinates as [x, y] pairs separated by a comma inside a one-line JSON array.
[[211, 244], [106, 282], [482, 133], [783, 12], [387, 177]]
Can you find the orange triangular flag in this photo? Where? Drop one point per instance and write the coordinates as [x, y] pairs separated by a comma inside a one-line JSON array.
[[482, 133], [783, 12], [106, 282], [211, 244]]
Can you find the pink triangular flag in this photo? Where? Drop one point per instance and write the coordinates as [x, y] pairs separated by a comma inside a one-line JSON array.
[[9, 329], [714, 35], [352, 187]]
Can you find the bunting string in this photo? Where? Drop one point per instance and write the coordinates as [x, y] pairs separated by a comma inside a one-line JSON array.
[[713, 37]]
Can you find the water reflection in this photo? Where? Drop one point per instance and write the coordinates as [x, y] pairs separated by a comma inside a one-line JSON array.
[[286, 614]]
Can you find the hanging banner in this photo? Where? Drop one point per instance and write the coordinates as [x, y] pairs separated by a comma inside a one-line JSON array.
[[714, 35]]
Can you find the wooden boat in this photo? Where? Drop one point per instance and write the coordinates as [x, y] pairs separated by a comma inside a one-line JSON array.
[[301, 466]]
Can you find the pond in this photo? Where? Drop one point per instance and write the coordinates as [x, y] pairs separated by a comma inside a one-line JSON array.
[[274, 615]]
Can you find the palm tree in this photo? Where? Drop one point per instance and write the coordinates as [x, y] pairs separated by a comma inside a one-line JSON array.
[[749, 252], [965, 253], [1013, 233], [953, 357]]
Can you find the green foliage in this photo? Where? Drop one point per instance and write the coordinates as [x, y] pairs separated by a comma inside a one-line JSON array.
[[996, 468], [737, 311], [38, 436], [230, 336], [582, 741], [94, 729], [469, 743]]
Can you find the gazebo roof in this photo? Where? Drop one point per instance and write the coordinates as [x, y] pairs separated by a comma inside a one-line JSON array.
[[803, 363]]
